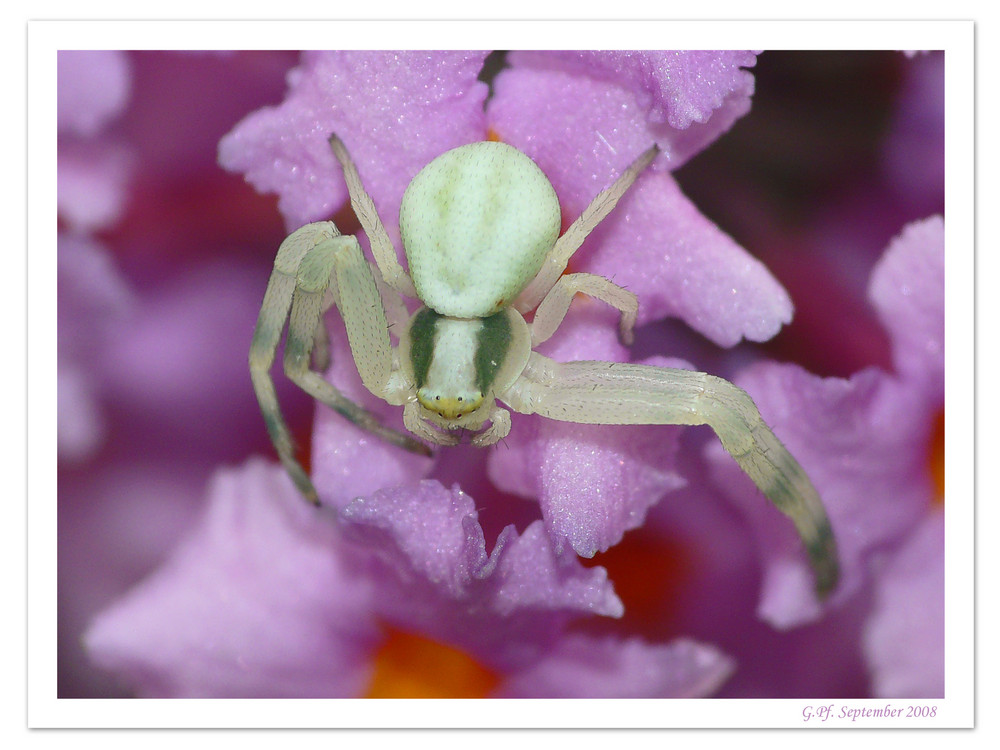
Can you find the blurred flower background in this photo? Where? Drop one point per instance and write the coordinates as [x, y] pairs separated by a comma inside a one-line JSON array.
[[571, 561]]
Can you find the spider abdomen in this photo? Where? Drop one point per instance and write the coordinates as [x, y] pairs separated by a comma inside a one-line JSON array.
[[477, 223]]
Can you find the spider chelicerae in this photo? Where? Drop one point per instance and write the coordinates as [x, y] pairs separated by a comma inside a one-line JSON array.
[[480, 230]]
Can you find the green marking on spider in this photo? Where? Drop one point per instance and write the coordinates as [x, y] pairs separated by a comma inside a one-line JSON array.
[[480, 231]]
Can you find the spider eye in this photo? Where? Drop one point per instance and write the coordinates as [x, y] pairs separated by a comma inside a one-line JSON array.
[[450, 406]]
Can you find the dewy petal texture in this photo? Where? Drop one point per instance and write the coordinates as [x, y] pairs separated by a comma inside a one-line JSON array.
[[680, 264], [907, 288], [583, 126], [256, 603], [581, 666], [429, 555], [395, 111], [350, 462], [593, 482], [688, 98]]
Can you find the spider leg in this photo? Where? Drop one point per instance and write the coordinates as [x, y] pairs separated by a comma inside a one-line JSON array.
[[622, 393], [321, 343], [553, 308], [420, 427], [267, 334], [360, 305], [558, 257], [499, 428], [306, 263], [364, 207]]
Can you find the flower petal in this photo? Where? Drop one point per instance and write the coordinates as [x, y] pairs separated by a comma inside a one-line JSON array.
[[861, 441], [907, 288], [94, 87], [395, 111], [81, 427], [593, 482], [625, 100], [680, 88], [94, 303], [348, 461], [659, 246], [904, 641], [257, 602], [91, 185], [655, 243], [581, 666], [435, 577]]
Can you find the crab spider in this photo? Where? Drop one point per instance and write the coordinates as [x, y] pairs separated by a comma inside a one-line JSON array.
[[480, 230]]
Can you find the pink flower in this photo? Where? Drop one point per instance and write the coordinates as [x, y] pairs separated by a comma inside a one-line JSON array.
[[396, 111], [479, 551], [265, 599], [865, 442]]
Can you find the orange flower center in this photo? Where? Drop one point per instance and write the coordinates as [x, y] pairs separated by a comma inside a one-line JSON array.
[[411, 666], [935, 458]]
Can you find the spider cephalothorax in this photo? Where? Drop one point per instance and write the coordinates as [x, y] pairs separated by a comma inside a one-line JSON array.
[[480, 230]]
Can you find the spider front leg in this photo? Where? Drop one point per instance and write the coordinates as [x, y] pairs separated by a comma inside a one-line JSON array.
[[571, 240], [364, 208], [414, 421], [552, 310], [622, 393], [307, 261]]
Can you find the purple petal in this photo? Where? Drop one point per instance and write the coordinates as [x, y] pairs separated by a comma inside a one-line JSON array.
[[257, 602], [580, 666], [181, 364], [91, 184], [118, 521], [350, 462], [655, 243], [862, 441], [436, 578], [94, 303], [541, 113], [904, 642], [659, 246], [82, 427], [395, 111], [907, 288], [593, 482], [94, 87], [94, 297], [681, 100], [678, 87]]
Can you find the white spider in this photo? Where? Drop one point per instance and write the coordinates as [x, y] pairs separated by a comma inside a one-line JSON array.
[[480, 229]]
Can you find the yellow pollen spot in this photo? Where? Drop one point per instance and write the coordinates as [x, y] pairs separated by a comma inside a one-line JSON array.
[[492, 135], [411, 666]]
